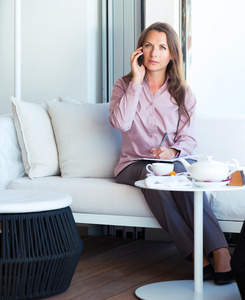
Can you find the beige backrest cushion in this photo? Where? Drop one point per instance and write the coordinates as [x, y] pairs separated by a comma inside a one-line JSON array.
[[88, 146], [221, 136]]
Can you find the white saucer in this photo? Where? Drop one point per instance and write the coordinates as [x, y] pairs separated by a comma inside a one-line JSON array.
[[212, 184]]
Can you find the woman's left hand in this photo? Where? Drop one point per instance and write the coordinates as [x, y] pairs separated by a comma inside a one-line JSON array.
[[164, 153]]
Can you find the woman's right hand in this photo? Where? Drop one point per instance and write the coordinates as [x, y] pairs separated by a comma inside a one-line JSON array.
[[138, 71]]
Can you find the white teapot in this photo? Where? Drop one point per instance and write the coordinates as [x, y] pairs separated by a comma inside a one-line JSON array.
[[210, 170]]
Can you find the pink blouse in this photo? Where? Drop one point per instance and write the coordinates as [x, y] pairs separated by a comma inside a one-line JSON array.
[[143, 119]]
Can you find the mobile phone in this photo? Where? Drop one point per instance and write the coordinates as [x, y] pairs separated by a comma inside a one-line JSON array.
[[140, 60]]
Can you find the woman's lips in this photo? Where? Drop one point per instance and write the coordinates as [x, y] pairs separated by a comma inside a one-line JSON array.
[[153, 62]]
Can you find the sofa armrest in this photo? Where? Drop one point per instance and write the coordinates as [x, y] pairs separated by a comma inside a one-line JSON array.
[[11, 164]]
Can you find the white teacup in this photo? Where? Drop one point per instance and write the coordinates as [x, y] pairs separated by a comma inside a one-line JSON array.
[[160, 168]]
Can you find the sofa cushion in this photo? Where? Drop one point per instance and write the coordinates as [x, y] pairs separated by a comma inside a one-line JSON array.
[[105, 196], [92, 195], [228, 205], [88, 146], [36, 138]]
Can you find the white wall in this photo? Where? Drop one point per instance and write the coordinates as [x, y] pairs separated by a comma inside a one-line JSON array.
[[6, 54], [61, 50], [218, 64], [162, 11]]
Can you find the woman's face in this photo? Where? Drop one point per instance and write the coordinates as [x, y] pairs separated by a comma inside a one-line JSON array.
[[156, 51]]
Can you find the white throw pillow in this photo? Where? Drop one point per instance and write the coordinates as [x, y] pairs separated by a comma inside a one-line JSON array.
[[36, 138], [88, 146]]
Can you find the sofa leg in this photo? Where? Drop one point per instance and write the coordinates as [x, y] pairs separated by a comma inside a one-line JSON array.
[[126, 232], [96, 230]]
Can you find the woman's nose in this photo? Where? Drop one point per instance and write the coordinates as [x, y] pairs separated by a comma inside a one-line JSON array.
[[154, 52]]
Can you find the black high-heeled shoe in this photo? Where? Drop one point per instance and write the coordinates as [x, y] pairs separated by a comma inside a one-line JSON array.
[[223, 277], [208, 272]]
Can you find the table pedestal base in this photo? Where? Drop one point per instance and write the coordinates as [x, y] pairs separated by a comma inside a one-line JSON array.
[[184, 290]]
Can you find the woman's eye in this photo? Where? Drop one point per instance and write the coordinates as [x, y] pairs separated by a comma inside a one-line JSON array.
[[162, 47], [147, 45]]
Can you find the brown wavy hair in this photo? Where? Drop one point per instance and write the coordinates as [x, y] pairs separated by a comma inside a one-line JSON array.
[[177, 86]]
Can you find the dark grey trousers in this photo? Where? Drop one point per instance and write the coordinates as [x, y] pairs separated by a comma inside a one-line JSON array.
[[175, 212]]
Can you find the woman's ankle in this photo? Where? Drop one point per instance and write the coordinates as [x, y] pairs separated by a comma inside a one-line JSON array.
[[222, 260]]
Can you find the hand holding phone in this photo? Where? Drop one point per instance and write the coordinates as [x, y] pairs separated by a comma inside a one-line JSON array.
[[137, 66]]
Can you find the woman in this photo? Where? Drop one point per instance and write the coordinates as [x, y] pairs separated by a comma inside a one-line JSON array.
[[152, 100]]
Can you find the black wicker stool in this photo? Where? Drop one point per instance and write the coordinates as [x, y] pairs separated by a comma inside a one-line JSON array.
[[39, 243]]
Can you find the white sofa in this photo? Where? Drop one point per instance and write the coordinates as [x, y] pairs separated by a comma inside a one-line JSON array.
[[71, 147]]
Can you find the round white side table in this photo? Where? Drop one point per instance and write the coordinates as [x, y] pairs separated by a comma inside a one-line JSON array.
[[185, 289]]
